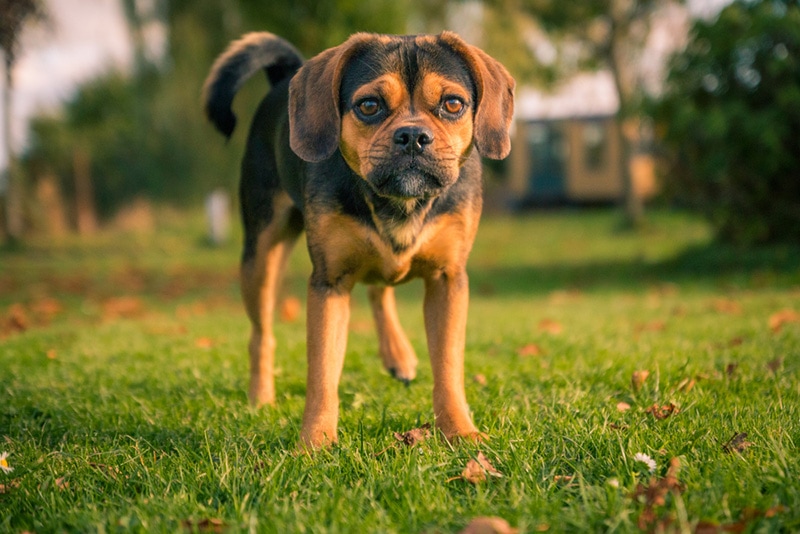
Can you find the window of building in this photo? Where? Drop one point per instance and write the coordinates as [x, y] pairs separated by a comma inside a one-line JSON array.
[[595, 142]]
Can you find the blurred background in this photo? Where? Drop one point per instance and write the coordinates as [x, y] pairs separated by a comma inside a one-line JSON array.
[[691, 104]]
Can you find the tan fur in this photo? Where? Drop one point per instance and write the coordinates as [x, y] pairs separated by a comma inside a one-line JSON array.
[[260, 280], [416, 241]]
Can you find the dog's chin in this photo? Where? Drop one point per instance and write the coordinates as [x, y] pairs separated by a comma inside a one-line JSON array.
[[409, 184]]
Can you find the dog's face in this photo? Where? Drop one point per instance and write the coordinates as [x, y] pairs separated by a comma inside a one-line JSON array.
[[405, 112]]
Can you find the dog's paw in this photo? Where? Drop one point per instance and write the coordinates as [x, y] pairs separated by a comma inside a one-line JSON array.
[[400, 360], [403, 376], [473, 437], [261, 393], [314, 440]]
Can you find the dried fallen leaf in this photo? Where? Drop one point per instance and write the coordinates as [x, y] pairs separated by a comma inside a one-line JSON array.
[[686, 385], [654, 495], [205, 525], [779, 319], [563, 479], [62, 483], [662, 412], [414, 436], [730, 369], [290, 309], [51, 354], [531, 349], [652, 326], [738, 443], [204, 343], [774, 365], [45, 309], [124, 307], [623, 406], [477, 468], [638, 378], [489, 525], [8, 488], [480, 379], [727, 306], [16, 320], [550, 326]]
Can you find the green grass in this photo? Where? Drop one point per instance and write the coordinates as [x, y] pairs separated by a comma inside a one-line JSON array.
[[131, 414]]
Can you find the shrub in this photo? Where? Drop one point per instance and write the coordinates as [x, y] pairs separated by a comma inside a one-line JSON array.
[[730, 122]]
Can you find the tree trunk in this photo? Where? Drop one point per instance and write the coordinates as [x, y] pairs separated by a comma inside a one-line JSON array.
[[625, 85], [14, 222], [85, 215]]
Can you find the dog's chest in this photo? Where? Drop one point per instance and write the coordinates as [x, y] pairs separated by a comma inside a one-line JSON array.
[[357, 253]]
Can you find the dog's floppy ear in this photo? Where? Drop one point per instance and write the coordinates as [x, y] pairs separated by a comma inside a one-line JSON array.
[[314, 114], [495, 98]]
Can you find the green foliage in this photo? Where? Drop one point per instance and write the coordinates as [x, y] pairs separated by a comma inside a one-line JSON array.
[[145, 134], [730, 118]]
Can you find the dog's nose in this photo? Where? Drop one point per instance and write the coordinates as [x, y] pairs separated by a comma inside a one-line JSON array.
[[413, 139]]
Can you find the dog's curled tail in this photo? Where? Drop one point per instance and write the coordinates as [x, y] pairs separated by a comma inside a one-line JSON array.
[[253, 52]]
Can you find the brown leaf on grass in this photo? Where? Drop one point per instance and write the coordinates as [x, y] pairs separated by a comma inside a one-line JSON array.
[[414, 436], [205, 525], [11, 486], [652, 326], [125, 307], [15, 321], [46, 308], [731, 368], [735, 342], [550, 326], [204, 343], [623, 406], [654, 495], [663, 411], [531, 349], [638, 378], [686, 385], [489, 525], [477, 470], [107, 469], [480, 379], [748, 516], [563, 479], [62, 483], [726, 306], [774, 365], [51, 354], [778, 319], [291, 307], [738, 443]]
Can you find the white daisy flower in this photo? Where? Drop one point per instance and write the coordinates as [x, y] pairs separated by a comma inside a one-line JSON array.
[[4, 463], [646, 460]]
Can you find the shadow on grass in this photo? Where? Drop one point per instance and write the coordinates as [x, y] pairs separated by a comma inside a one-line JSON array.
[[713, 265]]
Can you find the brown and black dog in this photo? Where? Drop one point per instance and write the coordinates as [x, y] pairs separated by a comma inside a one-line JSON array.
[[373, 147]]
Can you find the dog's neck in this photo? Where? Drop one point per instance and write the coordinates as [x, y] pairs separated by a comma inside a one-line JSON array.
[[399, 222]]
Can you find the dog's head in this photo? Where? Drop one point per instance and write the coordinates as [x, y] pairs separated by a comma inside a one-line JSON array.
[[405, 112]]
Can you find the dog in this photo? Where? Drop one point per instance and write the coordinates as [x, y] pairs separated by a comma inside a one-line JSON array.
[[373, 149]]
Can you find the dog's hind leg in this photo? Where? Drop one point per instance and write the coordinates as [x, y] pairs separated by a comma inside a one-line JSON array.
[[395, 350], [261, 274]]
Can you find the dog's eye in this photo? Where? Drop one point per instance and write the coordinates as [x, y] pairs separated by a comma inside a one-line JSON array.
[[369, 107], [453, 105]]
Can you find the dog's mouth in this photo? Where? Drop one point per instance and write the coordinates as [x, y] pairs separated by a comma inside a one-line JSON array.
[[409, 179]]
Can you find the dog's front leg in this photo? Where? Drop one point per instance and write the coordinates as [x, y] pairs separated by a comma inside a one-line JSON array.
[[328, 317], [446, 300]]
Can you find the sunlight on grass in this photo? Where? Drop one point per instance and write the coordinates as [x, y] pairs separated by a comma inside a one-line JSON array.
[[124, 373]]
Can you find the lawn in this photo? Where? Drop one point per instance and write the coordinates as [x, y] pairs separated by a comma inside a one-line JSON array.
[[616, 374]]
